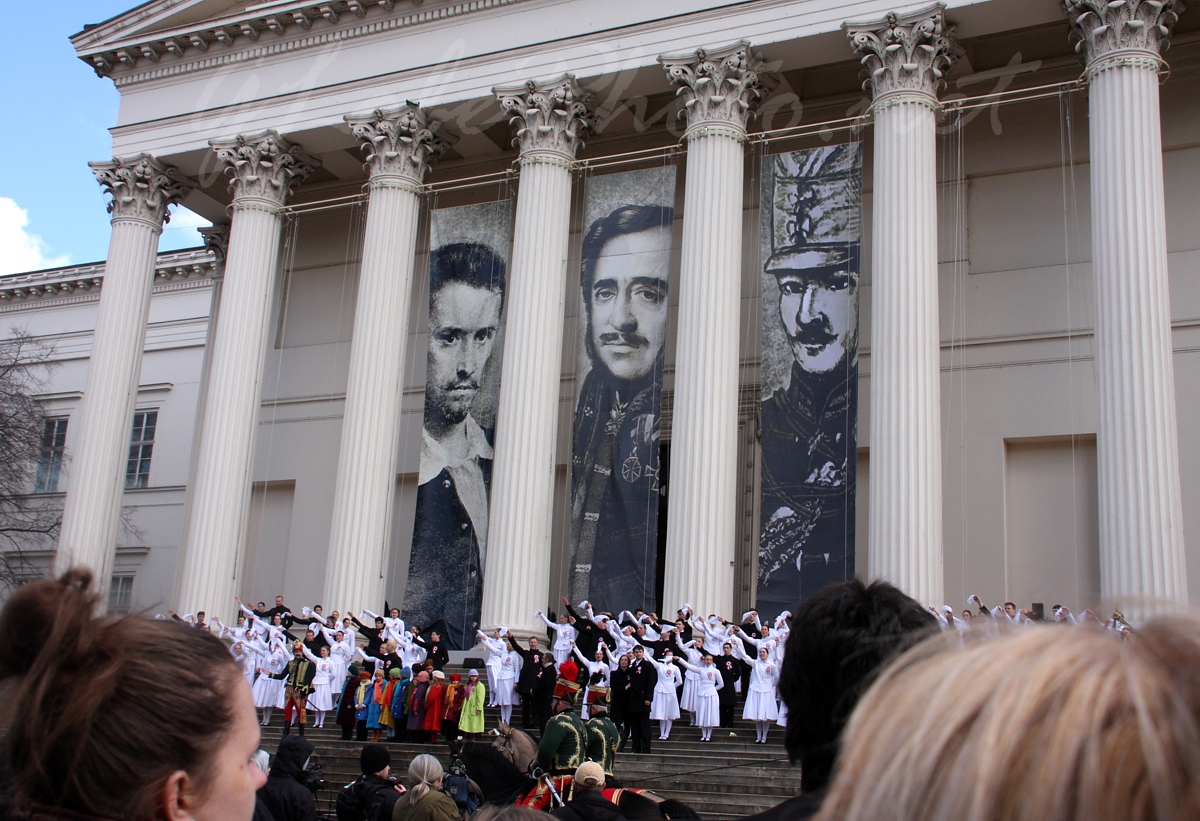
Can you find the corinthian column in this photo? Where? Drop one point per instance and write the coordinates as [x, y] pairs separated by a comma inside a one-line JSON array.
[[141, 189], [400, 145], [1141, 521], [549, 119], [264, 168], [905, 57], [720, 86]]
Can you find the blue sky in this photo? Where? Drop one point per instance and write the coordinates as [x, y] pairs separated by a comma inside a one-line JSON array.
[[52, 211]]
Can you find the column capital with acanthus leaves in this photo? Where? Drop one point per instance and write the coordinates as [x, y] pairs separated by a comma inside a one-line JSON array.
[[905, 55], [401, 142], [141, 188], [263, 166], [720, 86], [548, 117]]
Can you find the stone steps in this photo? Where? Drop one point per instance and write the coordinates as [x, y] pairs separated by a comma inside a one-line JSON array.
[[726, 778]]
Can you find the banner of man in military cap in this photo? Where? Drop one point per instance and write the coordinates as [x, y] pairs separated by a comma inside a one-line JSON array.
[[811, 230]]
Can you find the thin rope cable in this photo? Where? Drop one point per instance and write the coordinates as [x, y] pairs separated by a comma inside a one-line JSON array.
[[1067, 161], [288, 261]]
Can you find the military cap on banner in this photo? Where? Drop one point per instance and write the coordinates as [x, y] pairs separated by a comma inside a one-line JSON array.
[[816, 213]]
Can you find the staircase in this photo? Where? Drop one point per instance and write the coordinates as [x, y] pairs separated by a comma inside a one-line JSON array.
[[726, 778]]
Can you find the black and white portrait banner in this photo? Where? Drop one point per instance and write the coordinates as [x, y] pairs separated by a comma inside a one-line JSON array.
[[615, 465], [811, 221], [468, 261]]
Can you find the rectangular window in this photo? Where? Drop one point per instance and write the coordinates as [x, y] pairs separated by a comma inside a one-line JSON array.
[[120, 596], [50, 459], [141, 446]]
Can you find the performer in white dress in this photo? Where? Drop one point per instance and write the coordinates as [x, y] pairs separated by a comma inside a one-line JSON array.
[[341, 651], [565, 636], [665, 705], [760, 699], [268, 691], [695, 660], [708, 705], [320, 700], [506, 681], [497, 648], [599, 673]]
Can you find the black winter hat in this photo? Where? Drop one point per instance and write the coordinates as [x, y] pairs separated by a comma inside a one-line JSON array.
[[374, 757]]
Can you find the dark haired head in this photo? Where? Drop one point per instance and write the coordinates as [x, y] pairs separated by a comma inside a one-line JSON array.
[[841, 638], [104, 710], [469, 263], [629, 219]]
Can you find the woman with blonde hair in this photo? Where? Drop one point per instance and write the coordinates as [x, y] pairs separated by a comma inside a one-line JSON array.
[[1069, 725], [425, 800]]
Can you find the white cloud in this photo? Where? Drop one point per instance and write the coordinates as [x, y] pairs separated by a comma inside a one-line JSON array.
[[20, 250]]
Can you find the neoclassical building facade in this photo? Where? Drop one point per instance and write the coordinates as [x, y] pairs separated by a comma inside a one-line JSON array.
[[1029, 294]]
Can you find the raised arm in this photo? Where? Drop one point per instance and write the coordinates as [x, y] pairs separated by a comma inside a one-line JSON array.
[[549, 623], [582, 658]]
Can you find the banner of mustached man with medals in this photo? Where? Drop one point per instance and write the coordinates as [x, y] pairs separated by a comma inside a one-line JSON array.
[[468, 264], [615, 469], [811, 221]]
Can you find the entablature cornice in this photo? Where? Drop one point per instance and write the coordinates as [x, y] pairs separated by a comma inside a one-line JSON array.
[[82, 281], [262, 30]]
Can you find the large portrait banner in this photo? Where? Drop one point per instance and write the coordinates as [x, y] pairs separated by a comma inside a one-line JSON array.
[[811, 207], [468, 262], [615, 466]]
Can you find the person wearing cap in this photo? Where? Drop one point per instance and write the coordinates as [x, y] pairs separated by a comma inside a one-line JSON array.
[[564, 741], [373, 795], [587, 801], [471, 719], [297, 686], [810, 398]]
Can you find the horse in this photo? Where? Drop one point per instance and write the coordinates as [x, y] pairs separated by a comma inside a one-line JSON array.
[[502, 770]]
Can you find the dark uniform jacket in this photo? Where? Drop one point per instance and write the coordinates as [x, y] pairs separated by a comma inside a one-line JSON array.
[[563, 745], [602, 740], [808, 475]]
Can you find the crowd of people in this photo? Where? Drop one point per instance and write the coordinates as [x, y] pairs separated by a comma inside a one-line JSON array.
[[384, 679], [890, 718]]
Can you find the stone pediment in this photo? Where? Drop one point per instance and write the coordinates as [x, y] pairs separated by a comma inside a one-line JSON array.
[[162, 32]]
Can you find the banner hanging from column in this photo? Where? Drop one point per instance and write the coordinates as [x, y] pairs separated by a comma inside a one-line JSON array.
[[811, 207], [468, 261], [615, 481]]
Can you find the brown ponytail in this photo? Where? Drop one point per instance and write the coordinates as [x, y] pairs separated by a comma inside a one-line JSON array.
[[104, 709]]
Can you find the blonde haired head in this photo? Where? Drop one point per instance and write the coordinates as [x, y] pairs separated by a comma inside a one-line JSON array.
[[1054, 723]]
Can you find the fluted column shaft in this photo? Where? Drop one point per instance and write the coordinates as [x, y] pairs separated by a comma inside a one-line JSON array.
[[720, 86], [1141, 520], [517, 570], [398, 145], [141, 190], [905, 57], [906, 446], [264, 167]]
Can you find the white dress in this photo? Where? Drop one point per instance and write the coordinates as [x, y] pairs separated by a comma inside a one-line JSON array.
[[506, 679], [321, 697], [666, 702], [760, 700], [599, 674], [496, 652], [562, 643], [695, 661], [268, 692], [708, 703]]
